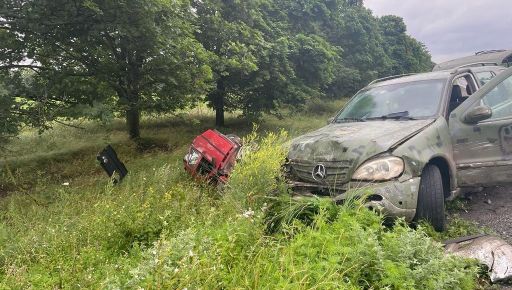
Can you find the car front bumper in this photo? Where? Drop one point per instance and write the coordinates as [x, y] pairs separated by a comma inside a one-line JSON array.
[[396, 198]]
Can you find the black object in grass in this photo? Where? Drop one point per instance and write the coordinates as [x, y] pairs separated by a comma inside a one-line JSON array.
[[111, 164]]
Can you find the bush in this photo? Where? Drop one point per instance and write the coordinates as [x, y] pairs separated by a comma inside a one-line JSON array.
[[258, 173]]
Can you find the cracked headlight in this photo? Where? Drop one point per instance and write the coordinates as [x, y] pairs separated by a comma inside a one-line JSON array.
[[384, 168], [193, 157]]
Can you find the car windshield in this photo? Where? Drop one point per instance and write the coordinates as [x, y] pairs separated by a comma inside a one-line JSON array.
[[419, 99]]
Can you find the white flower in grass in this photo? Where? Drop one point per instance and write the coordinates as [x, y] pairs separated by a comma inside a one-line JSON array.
[[66, 184], [248, 214]]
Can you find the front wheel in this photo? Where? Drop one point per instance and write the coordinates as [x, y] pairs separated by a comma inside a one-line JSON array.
[[430, 205]]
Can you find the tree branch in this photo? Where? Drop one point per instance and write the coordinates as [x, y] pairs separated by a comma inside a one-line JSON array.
[[69, 125], [31, 66]]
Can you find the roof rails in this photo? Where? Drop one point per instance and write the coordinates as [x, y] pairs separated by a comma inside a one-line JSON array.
[[390, 78], [489, 51], [475, 64]]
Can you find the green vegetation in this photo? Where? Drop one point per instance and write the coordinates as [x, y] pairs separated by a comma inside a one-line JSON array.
[[159, 229], [103, 59], [71, 71]]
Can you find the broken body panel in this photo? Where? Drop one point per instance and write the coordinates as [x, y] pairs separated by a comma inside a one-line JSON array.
[[212, 156], [467, 155], [491, 251]]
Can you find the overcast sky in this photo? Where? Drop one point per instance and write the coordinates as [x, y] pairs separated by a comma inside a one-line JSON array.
[[453, 28]]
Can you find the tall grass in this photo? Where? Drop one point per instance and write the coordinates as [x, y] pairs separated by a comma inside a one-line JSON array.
[[160, 229]]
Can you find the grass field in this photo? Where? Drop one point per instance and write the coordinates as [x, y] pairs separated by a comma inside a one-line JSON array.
[[64, 225]]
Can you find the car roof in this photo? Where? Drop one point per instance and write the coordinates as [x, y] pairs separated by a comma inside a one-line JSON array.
[[435, 75], [493, 68], [410, 78], [490, 57]]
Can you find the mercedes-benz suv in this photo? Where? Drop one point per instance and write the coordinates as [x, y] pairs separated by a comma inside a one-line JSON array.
[[412, 140]]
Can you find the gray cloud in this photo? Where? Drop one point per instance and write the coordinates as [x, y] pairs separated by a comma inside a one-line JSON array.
[[453, 28]]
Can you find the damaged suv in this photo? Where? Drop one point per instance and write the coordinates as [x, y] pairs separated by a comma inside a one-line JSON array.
[[414, 141]]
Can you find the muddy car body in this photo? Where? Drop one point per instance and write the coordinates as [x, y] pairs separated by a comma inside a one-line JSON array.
[[413, 141]]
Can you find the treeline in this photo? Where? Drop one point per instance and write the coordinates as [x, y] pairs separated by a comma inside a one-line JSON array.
[[122, 58]]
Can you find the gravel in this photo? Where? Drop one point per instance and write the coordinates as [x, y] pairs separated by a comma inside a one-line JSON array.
[[491, 208]]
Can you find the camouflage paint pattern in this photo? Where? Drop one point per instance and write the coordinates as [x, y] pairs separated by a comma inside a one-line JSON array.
[[470, 155], [352, 143], [416, 141], [483, 151]]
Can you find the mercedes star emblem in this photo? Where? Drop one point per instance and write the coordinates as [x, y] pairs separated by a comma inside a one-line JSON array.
[[319, 173]]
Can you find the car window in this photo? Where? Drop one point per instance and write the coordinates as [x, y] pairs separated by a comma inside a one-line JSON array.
[[484, 77], [463, 83], [500, 100], [462, 88], [413, 99]]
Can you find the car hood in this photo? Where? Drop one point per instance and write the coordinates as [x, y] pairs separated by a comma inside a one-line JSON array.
[[353, 142]]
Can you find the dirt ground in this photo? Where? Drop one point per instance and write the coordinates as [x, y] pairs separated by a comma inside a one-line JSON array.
[[491, 208]]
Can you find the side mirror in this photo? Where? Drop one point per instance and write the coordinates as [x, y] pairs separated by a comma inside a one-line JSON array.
[[329, 121], [478, 114]]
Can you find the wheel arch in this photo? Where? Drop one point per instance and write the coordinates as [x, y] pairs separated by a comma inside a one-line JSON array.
[[447, 173]]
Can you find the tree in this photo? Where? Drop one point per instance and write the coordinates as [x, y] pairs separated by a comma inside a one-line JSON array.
[[258, 62], [368, 47], [350, 28], [226, 30], [11, 113], [355, 2], [143, 52], [357, 32], [18, 105], [160, 55], [407, 54]]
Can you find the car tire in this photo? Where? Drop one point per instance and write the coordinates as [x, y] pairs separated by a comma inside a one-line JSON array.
[[430, 205]]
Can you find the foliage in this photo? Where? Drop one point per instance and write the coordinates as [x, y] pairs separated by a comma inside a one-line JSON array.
[[246, 185], [87, 51], [457, 228], [258, 63], [160, 229], [16, 111], [96, 58], [407, 54]]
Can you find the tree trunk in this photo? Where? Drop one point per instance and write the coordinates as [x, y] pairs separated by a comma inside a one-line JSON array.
[[218, 104], [133, 122], [219, 111]]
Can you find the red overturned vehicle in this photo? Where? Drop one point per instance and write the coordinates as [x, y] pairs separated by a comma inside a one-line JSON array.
[[212, 156]]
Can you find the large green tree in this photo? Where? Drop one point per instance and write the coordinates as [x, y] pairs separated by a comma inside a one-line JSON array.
[[407, 54], [349, 27], [369, 47], [258, 62], [142, 52], [159, 55]]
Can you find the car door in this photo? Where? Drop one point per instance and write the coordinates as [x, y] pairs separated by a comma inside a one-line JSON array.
[[481, 132]]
